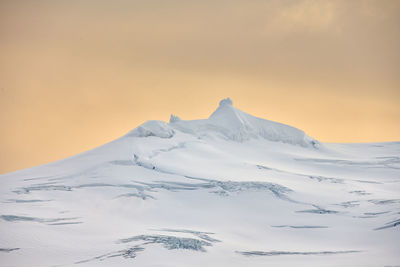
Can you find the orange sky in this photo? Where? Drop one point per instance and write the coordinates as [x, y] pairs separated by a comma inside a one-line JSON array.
[[77, 74]]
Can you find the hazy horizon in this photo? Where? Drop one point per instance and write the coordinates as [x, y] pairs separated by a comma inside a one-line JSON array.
[[76, 75]]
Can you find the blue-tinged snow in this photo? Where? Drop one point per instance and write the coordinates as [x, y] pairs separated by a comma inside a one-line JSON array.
[[230, 190], [233, 124]]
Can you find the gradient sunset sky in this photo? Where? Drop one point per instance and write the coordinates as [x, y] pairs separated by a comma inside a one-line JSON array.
[[77, 74]]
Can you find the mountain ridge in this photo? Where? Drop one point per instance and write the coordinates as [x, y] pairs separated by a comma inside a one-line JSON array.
[[229, 123], [188, 193]]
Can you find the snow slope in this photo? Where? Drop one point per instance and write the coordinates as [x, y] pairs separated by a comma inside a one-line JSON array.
[[230, 190]]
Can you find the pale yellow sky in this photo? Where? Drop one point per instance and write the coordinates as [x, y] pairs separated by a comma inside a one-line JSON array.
[[77, 74]]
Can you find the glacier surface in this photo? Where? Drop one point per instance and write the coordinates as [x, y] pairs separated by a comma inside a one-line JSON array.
[[230, 190]]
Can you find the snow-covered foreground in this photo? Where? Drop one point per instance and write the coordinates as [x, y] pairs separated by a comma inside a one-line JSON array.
[[231, 190]]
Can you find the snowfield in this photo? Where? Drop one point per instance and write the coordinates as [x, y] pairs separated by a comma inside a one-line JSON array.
[[230, 190]]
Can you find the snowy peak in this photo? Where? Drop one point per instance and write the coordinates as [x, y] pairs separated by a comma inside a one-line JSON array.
[[229, 123], [225, 111], [225, 102], [241, 126]]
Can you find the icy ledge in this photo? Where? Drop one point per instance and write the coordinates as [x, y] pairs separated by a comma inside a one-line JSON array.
[[229, 123]]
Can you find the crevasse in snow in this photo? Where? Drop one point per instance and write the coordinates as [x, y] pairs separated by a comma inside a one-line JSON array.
[[231, 190]]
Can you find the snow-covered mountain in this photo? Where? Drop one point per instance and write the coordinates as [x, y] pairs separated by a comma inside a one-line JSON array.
[[228, 123], [230, 190]]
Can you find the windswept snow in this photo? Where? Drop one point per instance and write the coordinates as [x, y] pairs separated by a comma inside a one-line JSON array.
[[234, 124], [230, 190], [282, 253], [153, 128]]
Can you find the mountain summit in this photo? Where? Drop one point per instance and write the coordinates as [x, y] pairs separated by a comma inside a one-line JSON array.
[[229, 123], [231, 190]]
